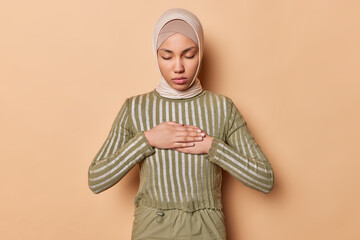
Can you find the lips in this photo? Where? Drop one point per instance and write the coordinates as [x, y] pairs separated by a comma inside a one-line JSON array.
[[179, 80]]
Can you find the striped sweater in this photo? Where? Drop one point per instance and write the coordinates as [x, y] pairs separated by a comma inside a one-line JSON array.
[[170, 179]]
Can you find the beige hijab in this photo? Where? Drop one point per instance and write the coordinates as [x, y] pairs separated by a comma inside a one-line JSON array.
[[182, 21]]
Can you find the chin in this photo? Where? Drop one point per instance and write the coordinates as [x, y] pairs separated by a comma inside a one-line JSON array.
[[180, 87]]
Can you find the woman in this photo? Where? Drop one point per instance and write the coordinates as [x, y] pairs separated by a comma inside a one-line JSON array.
[[181, 136]]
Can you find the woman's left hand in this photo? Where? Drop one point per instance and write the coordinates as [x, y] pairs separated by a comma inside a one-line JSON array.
[[199, 147]]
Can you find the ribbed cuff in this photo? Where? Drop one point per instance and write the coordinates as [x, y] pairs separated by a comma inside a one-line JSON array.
[[149, 150], [213, 151]]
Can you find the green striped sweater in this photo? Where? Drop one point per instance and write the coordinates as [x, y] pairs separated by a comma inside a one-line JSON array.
[[170, 179]]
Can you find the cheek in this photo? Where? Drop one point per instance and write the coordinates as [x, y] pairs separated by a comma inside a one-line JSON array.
[[165, 68], [193, 66]]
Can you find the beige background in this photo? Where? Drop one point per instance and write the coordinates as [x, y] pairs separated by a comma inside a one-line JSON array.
[[291, 67]]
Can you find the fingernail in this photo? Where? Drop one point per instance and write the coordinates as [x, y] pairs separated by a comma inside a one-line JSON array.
[[203, 134], [199, 138], [198, 130]]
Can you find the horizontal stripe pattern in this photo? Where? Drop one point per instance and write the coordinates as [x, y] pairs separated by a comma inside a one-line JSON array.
[[241, 156], [104, 173], [171, 179]]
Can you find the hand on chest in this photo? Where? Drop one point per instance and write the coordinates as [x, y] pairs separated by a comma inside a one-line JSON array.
[[206, 115]]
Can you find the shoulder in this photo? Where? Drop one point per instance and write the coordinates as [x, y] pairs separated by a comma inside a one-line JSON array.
[[140, 96], [139, 102], [225, 103], [225, 100]]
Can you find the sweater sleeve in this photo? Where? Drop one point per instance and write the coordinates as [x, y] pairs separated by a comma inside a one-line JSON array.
[[240, 155], [121, 151]]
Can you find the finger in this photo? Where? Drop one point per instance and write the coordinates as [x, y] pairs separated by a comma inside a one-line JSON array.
[[188, 128], [183, 150], [189, 139], [183, 145], [190, 134], [193, 128]]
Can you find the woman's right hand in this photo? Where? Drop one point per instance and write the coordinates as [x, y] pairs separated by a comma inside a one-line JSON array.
[[170, 135]]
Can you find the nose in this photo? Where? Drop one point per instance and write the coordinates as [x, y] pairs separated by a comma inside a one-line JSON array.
[[179, 66]]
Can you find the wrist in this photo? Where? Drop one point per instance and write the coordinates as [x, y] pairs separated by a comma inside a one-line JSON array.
[[209, 143], [148, 136]]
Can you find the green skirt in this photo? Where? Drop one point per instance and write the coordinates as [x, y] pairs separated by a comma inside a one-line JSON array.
[[151, 223]]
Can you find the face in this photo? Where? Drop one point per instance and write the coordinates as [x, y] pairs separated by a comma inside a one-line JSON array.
[[178, 59]]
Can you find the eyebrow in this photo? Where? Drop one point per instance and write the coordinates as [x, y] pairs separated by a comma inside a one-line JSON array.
[[169, 51]]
